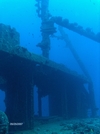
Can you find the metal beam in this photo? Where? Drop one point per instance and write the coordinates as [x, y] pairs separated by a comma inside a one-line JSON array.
[[77, 28]]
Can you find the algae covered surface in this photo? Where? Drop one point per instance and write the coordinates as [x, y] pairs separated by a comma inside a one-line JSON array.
[[65, 126]]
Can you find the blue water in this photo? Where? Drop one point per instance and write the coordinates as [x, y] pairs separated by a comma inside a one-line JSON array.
[[22, 15]]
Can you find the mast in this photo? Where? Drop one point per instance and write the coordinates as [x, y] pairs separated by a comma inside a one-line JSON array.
[[47, 26]]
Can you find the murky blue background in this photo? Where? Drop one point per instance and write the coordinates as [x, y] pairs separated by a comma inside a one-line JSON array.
[[22, 15]]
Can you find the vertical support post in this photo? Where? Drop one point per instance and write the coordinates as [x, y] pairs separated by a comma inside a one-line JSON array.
[[45, 36], [92, 99], [32, 106], [64, 102], [39, 103]]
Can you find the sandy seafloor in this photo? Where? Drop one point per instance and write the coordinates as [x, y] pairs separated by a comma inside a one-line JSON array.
[[63, 126]]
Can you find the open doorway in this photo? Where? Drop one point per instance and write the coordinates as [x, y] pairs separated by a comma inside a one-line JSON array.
[[44, 104]]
